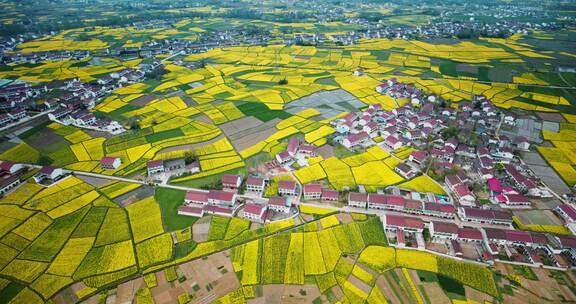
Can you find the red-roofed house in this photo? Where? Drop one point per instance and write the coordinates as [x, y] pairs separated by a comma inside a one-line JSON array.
[[223, 211], [393, 142], [409, 224], [293, 145], [231, 182], [308, 150], [312, 191], [255, 184], [443, 230], [280, 204], [110, 163], [516, 201], [330, 195], [418, 157], [358, 200], [191, 211], [567, 212], [439, 210], [221, 198], [155, 166], [8, 182], [464, 196], [10, 167], [494, 186], [470, 235], [196, 197], [354, 140], [485, 216], [286, 187], [254, 212], [48, 172], [283, 157]]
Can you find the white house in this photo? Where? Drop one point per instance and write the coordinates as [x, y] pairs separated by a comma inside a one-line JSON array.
[[280, 204], [254, 212], [111, 163], [358, 200], [255, 184]]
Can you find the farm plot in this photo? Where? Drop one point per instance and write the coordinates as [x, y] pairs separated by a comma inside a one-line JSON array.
[[274, 252], [145, 219], [294, 272]]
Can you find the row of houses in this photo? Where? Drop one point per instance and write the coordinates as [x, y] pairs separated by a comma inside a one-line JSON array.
[[10, 176], [400, 204], [296, 151], [520, 246], [314, 191], [261, 212], [11, 117]]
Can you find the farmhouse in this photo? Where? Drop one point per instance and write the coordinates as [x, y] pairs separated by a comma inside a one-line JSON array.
[[280, 204], [408, 224], [221, 198], [254, 212], [443, 230], [283, 157], [330, 195], [513, 201], [358, 200], [567, 212], [255, 184], [404, 170], [464, 195], [293, 146], [286, 187], [48, 172], [393, 142], [231, 182], [470, 235], [110, 163], [196, 197], [312, 191], [418, 157], [354, 140], [191, 211], [8, 182], [10, 167], [155, 166], [484, 216]]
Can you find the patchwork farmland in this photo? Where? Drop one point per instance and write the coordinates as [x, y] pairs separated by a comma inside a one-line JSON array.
[[267, 152]]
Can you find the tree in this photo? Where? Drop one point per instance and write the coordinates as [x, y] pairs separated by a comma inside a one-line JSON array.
[[44, 160], [283, 81], [450, 132], [135, 125], [190, 157]]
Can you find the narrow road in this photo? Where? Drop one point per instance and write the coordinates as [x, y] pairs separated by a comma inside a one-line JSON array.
[[345, 208]]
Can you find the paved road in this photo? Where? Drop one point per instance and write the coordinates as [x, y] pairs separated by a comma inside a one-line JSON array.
[[297, 201]]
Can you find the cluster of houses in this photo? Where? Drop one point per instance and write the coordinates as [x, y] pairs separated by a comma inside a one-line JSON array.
[[492, 243], [296, 152], [228, 201], [419, 124], [69, 108], [398, 203], [35, 57]]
